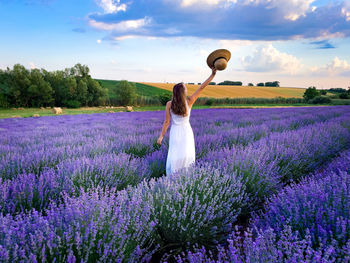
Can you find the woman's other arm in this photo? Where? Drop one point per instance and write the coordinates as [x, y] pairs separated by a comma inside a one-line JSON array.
[[166, 122], [196, 94]]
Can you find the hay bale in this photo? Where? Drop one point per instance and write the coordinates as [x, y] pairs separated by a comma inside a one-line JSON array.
[[128, 108], [48, 107], [36, 115], [13, 108], [57, 110], [42, 108], [21, 108], [16, 116], [111, 111]]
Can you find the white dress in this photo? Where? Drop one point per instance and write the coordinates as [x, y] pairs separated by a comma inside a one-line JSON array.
[[181, 151]]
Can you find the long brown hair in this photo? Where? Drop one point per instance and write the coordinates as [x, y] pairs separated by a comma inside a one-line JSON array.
[[178, 102]]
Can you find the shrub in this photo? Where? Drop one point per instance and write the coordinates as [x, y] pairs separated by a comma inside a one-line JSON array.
[[320, 100], [253, 166], [209, 102], [196, 206], [74, 104], [164, 98], [344, 96], [109, 170], [267, 246], [156, 162], [27, 191], [307, 222], [319, 206], [125, 92], [310, 93], [101, 226]]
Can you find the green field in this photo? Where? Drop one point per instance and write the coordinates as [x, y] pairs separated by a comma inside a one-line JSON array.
[[141, 89]]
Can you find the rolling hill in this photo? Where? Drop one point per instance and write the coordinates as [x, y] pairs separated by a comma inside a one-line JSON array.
[[141, 89], [218, 91]]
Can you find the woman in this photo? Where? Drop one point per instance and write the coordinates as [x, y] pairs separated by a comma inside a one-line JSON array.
[[181, 151]]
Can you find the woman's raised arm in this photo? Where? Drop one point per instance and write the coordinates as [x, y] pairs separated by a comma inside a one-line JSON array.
[[196, 94]]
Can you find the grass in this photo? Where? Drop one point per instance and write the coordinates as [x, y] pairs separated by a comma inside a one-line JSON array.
[[141, 89], [29, 112], [219, 91]]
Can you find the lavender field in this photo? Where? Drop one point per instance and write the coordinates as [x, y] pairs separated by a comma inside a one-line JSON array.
[[269, 185]]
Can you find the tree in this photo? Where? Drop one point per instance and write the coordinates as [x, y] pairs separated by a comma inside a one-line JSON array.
[[39, 92], [272, 84], [260, 84], [98, 94], [19, 83], [5, 92], [125, 92], [82, 92], [323, 92], [231, 83], [310, 93], [164, 98], [250, 84], [212, 83]]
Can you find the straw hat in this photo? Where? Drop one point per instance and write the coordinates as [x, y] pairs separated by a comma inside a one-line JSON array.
[[219, 59]]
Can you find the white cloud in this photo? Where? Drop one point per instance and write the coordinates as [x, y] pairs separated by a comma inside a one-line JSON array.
[[125, 37], [187, 3], [338, 66], [346, 11], [111, 6], [121, 26], [290, 9], [268, 59]]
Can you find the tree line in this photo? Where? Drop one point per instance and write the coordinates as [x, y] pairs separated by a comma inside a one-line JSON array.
[[240, 83], [71, 87], [312, 95]]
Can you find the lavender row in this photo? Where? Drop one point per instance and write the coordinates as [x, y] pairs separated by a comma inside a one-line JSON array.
[[305, 222], [267, 165], [262, 166], [29, 141]]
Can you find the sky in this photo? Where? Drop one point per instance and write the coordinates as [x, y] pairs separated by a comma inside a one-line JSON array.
[[300, 43]]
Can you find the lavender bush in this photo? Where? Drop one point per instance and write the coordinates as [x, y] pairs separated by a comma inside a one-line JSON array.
[[96, 226], [196, 206], [319, 206], [108, 170], [306, 222]]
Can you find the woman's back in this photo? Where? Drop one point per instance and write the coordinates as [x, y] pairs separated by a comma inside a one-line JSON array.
[[180, 120]]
